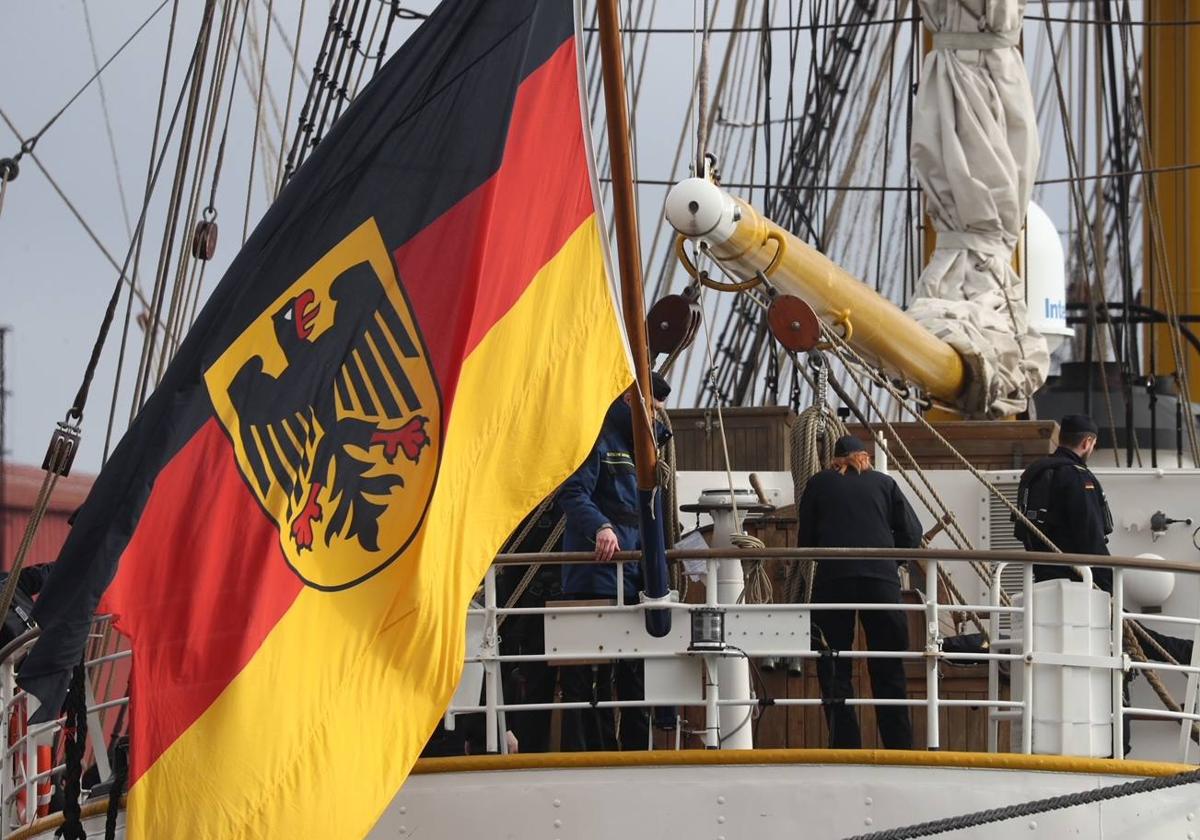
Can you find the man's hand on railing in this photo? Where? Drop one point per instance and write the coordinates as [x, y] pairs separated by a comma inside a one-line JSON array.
[[606, 544]]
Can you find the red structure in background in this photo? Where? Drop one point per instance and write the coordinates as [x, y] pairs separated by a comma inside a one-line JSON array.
[[22, 483]]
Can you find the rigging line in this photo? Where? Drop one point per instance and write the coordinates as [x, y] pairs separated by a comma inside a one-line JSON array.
[[212, 196], [331, 84], [354, 49], [166, 249], [304, 127], [140, 238], [1149, 191], [667, 271], [754, 30], [262, 80], [1083, 241], [181, 292], [370, 40], [287, 111], [387, 33], [270, 99], [74, 210], [887, 138], [112, 143], [292, 46], [81, 396], [27, 146], [207, 128]]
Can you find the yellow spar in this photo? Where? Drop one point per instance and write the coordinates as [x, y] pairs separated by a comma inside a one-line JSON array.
[[746, 242]]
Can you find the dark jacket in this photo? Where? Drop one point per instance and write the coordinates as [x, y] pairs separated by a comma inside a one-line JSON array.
[[604, 491], [855, 510], [1076, 518]]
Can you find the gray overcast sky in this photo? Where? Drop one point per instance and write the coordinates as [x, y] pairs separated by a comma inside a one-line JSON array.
[[55, 282]]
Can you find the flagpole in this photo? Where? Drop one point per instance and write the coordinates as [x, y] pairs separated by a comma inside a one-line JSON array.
[[629, 261], [629, 252]]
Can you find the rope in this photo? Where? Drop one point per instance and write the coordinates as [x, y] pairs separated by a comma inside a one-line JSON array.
[[813, 435], [58, 460], [139, 237], [555, 534], [1134, 634], [112, 143], [287, 110], [1029, 809], [702, 99], [75, 729], [758, 580], [87, 228], [28, 145], [262, 80], [666, 479], [120, 779], [145, 365]]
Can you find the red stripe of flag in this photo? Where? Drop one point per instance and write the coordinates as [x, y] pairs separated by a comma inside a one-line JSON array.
[[466, 269], [197, 623]]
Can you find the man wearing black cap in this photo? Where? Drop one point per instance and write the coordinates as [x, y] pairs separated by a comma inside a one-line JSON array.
[[1060, 495], [851, 505], [600, 502]]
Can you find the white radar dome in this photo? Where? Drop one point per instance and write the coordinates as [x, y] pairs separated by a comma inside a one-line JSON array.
[[1149, 588], [1046, 278]]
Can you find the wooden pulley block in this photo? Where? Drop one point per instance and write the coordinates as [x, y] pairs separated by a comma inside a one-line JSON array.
[[671, 323], [204, 240], [793, 323]]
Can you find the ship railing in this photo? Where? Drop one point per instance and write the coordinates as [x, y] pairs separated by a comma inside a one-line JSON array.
[[1019, 653], [33, 757], [23, 784]]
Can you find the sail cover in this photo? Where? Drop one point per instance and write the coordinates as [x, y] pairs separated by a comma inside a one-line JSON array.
[[975, 151], [416, 345]]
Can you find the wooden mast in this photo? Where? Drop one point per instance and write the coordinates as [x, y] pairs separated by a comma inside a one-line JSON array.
[[1172, 101], [629, 252]]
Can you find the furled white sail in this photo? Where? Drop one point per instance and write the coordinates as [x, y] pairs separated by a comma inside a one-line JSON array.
[[975, 150]]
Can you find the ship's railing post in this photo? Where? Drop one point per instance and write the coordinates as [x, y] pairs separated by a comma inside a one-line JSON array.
[[7, 783], [712, 712], [1027, 661], [491, 676], [712, 685], [1190, 699], [933, 647], [1118, 675], [993, 722]]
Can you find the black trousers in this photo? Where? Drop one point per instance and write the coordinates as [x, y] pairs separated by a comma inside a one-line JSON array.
[[886, 630], [596, 729]]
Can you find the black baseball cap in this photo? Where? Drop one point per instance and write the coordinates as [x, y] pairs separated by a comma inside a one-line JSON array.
[[1076, 424], [846, 445]]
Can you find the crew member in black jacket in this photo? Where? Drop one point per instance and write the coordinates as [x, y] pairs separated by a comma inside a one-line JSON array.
[[851, 505], [1065, 500]]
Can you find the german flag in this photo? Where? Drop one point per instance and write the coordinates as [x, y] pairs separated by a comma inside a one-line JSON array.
[[416, 345]]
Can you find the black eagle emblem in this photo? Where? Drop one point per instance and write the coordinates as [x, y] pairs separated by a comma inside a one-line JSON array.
[[344, 389]]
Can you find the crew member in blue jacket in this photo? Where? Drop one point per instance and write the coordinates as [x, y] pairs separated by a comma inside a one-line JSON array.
[[600, 502]]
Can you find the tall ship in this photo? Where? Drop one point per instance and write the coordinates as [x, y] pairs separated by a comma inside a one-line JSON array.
[[294, 561]]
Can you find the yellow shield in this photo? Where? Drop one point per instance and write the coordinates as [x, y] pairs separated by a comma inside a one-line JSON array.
[[335, 416]]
